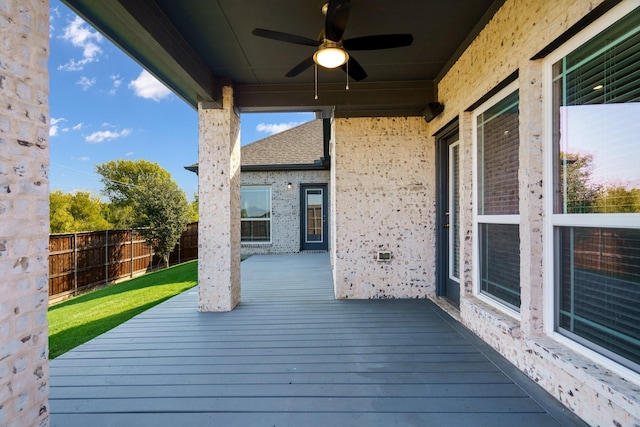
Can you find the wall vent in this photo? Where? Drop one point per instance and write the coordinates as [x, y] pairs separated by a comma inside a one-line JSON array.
[[383, 256]]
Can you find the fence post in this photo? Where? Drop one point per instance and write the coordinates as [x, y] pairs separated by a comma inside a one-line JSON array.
[[75, 264], [106, 257], [131, 233]]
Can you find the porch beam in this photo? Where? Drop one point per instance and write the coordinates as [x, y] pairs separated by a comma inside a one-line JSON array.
[[363, 99]]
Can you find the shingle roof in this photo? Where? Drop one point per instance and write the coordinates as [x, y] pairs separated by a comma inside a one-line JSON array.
[[299, 145]]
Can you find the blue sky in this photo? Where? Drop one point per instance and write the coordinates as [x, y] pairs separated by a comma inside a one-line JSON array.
[[104, 106]]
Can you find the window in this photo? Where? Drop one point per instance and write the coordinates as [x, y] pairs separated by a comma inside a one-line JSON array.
[[255, 214], [596, 190], [497, 216]]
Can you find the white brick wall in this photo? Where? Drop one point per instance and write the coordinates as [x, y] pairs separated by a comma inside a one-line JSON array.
[[384, 199], [285, 215], [515, 34], [24, 194]]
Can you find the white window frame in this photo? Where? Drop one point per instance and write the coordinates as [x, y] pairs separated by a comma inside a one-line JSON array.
[[488, 219], [270, 241], [306, 215], [452, 218], [552, 220]]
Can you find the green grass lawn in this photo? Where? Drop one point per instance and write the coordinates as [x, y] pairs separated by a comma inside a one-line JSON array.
[[80, 319]]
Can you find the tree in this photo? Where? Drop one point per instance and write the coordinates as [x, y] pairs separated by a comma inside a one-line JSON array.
[[143, 194], [193, 215], [163, 214], [60, 218], [579, 190], [80, 211], [122, 179], [120, 216], [618, 199]]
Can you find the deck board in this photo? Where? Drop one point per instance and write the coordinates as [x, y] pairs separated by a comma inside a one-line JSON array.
[[291, 355]]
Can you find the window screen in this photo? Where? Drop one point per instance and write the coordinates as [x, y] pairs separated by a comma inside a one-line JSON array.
[[498, 145], [596, 117], [596, 111], [500, 262], [599, 292]]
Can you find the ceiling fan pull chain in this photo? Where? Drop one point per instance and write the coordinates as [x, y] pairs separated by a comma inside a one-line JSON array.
[[315, 79], [347, 87]]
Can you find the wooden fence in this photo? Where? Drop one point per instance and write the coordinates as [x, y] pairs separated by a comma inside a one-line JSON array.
[[80, 261]]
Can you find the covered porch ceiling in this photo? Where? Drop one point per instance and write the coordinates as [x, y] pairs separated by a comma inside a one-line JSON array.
[[196, 47]]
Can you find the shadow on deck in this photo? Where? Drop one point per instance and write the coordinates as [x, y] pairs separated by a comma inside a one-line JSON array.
[[291, 355]]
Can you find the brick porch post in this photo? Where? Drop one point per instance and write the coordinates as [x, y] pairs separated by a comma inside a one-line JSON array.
[[219, 210]]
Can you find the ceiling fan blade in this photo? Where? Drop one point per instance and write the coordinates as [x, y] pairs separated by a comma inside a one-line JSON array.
[[300, 67], [285, 37], [354, 69], [381, 41], [337, 17]]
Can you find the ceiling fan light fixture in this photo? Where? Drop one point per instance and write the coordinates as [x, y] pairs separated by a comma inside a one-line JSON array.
[[330, 56]]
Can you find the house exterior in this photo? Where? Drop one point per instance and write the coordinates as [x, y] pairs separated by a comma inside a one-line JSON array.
[[284, 194], [513, 207]]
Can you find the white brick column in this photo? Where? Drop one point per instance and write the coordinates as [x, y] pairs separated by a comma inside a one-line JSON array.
[[530, 177], [466, 205], [24, 212], [219, 210]]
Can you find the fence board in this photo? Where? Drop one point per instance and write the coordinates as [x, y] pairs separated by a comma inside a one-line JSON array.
[[80, 261]]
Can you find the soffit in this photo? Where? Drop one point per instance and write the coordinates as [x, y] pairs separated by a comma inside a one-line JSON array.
[[197, 46]]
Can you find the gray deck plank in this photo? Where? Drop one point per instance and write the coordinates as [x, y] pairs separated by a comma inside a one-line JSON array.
[[291, 355], [313, 419], [277, 378], [291, 391], [199, 348], [291, 404]]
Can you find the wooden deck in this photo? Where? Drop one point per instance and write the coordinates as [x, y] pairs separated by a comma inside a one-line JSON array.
[[291, 355]]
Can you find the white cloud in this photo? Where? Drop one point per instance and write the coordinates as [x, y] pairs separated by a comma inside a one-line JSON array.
[[147, 86], [81, 35], [129, 154], [78, 126], [117, 81], [54, 127], [54, 13], [273, 128], [82, 159], [86, 82], [106, 135], [73, 65]]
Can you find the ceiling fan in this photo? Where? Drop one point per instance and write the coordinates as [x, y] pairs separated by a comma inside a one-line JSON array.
[[332, 50]]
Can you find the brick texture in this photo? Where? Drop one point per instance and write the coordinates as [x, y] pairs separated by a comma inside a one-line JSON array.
[[219, 195], [285, 207], [518, 31], [384, 200], [24, 193]]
